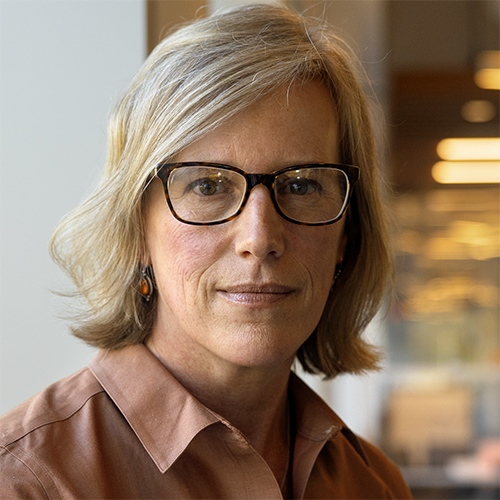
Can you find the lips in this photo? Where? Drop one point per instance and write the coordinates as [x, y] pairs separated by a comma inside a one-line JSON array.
[[255, 288], [251, 293]]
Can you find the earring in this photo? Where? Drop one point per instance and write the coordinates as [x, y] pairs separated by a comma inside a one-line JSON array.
[[338, 272], [146, 284]]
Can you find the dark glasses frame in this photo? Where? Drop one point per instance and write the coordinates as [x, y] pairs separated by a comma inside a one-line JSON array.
[[163, 171]]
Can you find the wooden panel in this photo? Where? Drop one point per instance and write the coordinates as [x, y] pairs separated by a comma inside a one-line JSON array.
[[163, 15]]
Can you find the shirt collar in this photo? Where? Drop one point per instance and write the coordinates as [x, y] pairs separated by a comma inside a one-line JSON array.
[[166, 417], [315, 420]]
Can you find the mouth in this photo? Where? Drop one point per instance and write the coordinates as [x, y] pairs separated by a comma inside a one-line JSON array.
[[257, 294]]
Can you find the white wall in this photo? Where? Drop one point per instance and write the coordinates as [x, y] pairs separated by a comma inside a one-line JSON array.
[[215, 5], [63, 63]]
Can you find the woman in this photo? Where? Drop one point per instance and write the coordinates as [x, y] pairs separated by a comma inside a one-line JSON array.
[[229, 235]]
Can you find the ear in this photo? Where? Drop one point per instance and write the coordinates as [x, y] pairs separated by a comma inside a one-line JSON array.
[[144, 255], [145, 260], [340, 257], [342, 247]]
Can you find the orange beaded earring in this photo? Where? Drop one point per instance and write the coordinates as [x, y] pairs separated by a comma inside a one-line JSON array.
[[146, 287]]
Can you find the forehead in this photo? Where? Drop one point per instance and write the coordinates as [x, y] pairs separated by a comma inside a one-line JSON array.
[[295, 124]]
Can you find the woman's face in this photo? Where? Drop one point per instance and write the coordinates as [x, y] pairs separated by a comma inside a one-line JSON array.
[[250, 291]]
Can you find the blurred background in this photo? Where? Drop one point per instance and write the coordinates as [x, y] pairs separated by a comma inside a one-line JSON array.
[[435, 72]]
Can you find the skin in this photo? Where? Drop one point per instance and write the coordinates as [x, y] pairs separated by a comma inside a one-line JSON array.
[[237, 300]]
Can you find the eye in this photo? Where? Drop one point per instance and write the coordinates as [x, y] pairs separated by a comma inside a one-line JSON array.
[[208, 186], [205, 187], [300, 186]]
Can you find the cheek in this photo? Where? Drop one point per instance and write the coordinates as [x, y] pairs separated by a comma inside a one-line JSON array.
[[181, 256], [177, 251], [324, 248]]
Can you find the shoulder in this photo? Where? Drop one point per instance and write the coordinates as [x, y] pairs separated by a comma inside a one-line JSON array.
[[56, 403], [39, 424], [379, 462], [347, 466], [366, 460]]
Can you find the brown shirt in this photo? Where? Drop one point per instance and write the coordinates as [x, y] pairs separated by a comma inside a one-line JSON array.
[[125, 428]]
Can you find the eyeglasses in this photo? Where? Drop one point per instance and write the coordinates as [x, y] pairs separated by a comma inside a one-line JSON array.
[[205, 194]]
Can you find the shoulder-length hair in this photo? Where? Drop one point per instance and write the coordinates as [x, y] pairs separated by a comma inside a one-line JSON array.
[[193, 81]]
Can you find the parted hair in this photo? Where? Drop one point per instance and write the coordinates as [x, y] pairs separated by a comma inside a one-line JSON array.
[[194, 80]]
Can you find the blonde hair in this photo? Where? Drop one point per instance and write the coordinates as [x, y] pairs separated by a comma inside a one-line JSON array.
[[193, 81]]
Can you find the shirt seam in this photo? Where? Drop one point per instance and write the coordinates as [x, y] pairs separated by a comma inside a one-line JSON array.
[[19, 459], [53, 421], [235, 461], [243, 471]]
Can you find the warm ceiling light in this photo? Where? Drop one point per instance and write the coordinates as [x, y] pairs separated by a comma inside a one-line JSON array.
[[478, 111], [466, 172], [485, 148], [488, 78], [488, 59], [487, 75]]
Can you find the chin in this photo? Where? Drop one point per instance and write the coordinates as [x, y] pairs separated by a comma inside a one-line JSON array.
[[256, 350]]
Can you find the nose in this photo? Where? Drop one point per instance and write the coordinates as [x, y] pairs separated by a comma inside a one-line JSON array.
[[259, 228]]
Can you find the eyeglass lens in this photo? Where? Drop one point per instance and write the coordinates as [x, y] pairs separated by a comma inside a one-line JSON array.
[[209, 194]]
